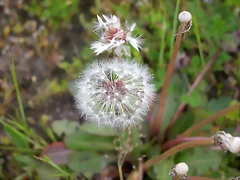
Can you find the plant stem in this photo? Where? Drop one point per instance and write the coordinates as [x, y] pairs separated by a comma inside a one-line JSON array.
[[199, 178], [120, 168], [140, 169], [175, 150], [210, 119], [194, 85], [178, 140], [156, 123], [22, 113]]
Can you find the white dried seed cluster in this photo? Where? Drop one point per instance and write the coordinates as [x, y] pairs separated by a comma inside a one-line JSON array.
[[227, 142], [181, 168], [114, 38], [184, 16], [117, 93], [179, 171]]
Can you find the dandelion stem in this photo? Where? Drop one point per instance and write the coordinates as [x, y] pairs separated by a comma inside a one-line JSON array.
[[175, 150], [210, 119], [120, 168], [156, 123], [140, 169], [194, 85]]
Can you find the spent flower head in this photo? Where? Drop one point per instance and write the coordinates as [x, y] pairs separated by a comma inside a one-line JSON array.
[[227, 142], [117, 92], [185, 18], [113, 37], [179, 171]]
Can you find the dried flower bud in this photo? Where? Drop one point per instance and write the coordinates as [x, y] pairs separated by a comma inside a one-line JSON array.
[[184, 17], [235, 178], [186, 21], [181, 168], [227, 142], [180, 171], [114, 38], [117, 93]]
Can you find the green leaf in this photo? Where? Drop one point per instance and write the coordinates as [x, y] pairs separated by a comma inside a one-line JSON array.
[[17, 137], [163, 168], [183, 123], [83, 141], [24, 160], [87, 162], [215, 105], [195, 61], [22, 113], [93, 128], [48, 160], [195, 99], [64, 127], [200, 161]]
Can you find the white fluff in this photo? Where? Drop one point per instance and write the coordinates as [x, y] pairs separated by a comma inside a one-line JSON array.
[[185, 16], [117, 92], [114, 38]]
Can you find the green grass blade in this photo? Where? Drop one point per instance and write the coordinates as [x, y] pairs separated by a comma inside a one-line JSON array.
[[174, 30], [14, 77], [196, 30], [17, 137], [49, 161]]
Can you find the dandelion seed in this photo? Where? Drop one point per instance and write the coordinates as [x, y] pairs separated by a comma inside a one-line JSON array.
[[120, 98], [114, 38]]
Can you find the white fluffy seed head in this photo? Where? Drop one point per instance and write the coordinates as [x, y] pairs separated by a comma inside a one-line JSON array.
[[234, 146], [181, 168], [115, 93], [184, 16]]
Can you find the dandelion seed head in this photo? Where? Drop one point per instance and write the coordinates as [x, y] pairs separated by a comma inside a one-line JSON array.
[[116, 96]]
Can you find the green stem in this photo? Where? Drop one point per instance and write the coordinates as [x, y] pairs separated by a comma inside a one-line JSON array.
[[120, 168]]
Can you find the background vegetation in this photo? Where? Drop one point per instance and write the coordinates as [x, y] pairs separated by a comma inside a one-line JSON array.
[[49, 41]]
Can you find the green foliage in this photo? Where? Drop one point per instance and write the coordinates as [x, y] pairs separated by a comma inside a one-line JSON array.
[[88, 162], [200, 161], [55, 11], [18, 138], [163, 168], [65, 127], [82, 141]]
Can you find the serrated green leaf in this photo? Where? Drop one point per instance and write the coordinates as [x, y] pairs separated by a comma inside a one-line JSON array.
[[64, 127], [200, 161], [93, 128], [87, 162], [215, 105], [83, 141], [163, 168]]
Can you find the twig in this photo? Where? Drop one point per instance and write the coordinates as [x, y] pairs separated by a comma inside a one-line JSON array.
[[140, 169], [175, 150], [156, 123], [210, 119], [174, 142], [194, 85]]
